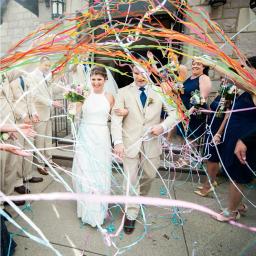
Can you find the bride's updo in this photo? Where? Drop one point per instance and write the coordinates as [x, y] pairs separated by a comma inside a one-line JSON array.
[[98, 70]]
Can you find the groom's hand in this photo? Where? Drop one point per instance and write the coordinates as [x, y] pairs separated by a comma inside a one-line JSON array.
[[157, 130], [119, 150]]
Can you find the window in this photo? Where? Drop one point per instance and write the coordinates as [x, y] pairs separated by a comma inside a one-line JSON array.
[[57, 8]]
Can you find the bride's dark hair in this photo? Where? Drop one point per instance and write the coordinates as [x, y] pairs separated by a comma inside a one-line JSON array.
[[98, 70]]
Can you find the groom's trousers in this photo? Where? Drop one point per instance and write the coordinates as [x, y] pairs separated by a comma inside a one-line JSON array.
[[139, 174]]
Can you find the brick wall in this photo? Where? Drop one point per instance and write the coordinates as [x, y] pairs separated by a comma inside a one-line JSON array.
[[19, 22], [233, 16]]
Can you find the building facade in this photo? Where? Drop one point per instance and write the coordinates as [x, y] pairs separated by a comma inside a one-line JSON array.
[[238, 22], [233, 17]]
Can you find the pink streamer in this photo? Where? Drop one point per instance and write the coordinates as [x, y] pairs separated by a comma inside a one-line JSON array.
[[124, 199]]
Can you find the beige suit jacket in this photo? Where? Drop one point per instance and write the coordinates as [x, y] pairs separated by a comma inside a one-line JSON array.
[[22, 99], [134, 126], [42, 94], [6, 98]]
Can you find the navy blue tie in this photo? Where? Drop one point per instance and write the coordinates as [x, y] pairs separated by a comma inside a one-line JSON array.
[[143, 96], [22, 84]]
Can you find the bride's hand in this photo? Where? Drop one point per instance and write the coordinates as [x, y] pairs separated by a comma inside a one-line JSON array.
[[121, 111], [119, 150]]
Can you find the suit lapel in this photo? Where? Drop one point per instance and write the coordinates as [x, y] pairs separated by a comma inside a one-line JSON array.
[[26, 90], [137, 97], [45, 84], [150, 95]]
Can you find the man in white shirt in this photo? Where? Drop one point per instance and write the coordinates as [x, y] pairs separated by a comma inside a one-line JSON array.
[[24, 109]]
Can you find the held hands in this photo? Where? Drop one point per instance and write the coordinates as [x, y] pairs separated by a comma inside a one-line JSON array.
[[57, 104], [119, 150], [240, 151], [121, 111]]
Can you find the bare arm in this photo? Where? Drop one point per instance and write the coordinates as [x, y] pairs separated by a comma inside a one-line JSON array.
[[14, 150], [183, 73], [205, 86], [116, 120], [111, 100], [223, 124], [153, 62], [117, 125], [217, 136]]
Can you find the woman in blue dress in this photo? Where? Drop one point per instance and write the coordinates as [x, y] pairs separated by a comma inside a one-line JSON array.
[[199, 80], [215, 127], [240, 125]]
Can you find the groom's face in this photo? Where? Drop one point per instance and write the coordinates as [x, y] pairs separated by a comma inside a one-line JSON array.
[[45, 66], [139, 78]]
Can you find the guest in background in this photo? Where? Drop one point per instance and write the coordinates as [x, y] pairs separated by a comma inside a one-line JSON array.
[[24, 109], [7, 243], [242, 125], [7, 117], [198, 81], [215, 129], [43, 99]]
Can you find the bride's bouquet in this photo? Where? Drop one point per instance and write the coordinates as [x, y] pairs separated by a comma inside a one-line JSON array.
[[75, 94]]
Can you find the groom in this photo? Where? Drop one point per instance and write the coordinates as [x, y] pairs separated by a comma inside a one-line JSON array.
[[135, 138]]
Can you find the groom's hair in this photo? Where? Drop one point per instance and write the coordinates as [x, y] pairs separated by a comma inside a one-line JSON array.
[[98, 70], [44, 58]]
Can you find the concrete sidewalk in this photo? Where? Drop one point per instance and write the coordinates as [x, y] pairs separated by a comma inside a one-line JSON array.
[[194, 234]]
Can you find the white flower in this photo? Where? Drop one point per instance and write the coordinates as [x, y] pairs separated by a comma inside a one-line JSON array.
[[4, 136], [232, 90]]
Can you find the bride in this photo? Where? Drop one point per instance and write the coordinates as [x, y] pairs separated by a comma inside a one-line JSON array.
[[92, 161]]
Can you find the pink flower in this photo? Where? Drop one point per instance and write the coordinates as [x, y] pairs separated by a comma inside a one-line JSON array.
[[79, 89]]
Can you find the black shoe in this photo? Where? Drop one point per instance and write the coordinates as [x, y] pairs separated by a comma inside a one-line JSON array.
[[17, 203], [50, 163], [34, 180], [22, 190], [129, 226]]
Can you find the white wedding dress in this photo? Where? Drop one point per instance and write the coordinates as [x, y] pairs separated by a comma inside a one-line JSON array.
[[92, 161]]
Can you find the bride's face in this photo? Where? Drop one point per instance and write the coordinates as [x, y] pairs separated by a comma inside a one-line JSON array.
[[98, 82]]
